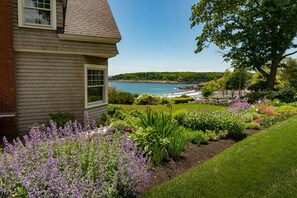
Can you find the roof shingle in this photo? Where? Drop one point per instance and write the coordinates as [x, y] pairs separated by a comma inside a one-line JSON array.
[[90, 18]]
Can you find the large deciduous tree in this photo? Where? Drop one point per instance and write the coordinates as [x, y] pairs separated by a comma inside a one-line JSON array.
[[252, 33]]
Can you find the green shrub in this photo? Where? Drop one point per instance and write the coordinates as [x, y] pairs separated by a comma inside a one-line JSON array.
[[112, 109], [180, 118], [135, 113], [120, 114], [184, 96], [119, 97], [197, 137], [128, 124], [215, 136], [182, 100], [147, 99], [214, 120], [150, 141], [61, 118], [289, 110], [121, 125], [103, 120], [275, 102], [293, 104], [160, 136], [207, 91], [165, 100], [286, 94], [252, 125]]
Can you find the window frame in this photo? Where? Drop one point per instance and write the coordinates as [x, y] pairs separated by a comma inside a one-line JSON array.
[[21, 17], [105, 85]]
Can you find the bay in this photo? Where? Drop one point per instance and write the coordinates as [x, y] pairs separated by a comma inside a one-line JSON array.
[[152, 88]]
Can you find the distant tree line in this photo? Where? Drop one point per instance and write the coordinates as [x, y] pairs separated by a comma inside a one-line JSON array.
[[191, 77]]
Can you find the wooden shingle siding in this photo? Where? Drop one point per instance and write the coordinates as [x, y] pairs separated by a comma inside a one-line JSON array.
[[96, 112], [60, 20], [47, 82], [39, 39], [51, 83]]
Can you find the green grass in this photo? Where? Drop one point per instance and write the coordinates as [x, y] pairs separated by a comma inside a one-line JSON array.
[[176, 108], [263, 165]]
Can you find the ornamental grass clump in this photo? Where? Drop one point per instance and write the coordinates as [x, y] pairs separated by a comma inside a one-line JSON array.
[[72, 162]]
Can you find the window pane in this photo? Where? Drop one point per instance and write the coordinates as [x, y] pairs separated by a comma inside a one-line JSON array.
[[31, 3], [47, 6], [37, 16], [38, 3], [95, 77], [95, 94]]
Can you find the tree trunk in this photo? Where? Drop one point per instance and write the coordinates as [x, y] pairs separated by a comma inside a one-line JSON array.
[[270, 82]]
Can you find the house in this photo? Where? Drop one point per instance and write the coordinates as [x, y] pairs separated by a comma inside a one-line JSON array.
[[53, 58]]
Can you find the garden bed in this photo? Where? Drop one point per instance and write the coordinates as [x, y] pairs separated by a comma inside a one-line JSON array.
[[190, 157]]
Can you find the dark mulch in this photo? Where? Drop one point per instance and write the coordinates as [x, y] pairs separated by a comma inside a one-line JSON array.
[[190, 157]]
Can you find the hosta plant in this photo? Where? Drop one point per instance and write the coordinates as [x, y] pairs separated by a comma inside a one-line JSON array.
[[197, 137]]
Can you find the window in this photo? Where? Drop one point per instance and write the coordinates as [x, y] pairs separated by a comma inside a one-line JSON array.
[[95, 85], [37, 13]]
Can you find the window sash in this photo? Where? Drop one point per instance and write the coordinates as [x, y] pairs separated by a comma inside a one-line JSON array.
[[94, 76], [44, 3], [37, 14]]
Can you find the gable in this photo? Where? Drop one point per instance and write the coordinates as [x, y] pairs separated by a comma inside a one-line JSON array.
[[91, 18]]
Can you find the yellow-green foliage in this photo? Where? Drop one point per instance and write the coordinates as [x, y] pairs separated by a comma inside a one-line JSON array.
[[287, 110]]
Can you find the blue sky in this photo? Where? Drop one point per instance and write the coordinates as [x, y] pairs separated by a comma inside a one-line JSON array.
[[157, 37]]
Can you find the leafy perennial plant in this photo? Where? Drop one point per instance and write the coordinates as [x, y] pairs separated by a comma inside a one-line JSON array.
[[160, 136], [72, 162], [218, 121]]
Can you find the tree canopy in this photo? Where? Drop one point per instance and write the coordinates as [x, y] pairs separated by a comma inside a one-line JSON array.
[[289, 72], [191, 77], [251, 33]]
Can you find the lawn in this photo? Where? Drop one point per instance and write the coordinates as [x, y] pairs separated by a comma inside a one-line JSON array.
[[175, 107], [263, 165]]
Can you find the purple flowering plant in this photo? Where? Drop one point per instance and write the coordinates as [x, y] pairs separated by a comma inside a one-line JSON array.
[[238, 107], [72, 161]]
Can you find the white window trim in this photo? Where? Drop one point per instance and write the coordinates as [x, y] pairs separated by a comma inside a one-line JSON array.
[[21, 18], [105, 87]]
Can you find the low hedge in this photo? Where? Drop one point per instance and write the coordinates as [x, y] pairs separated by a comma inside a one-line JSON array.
[[182, 100]]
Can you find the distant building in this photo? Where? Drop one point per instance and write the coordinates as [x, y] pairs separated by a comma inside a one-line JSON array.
[[53, 58]]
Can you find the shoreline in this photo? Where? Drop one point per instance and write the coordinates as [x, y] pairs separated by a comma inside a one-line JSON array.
[[151, 81]]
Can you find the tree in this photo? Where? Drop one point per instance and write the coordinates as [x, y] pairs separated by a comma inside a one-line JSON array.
[[252, 33], [289, 73], [237, 81]]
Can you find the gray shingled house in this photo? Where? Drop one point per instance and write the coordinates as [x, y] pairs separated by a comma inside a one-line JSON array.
[[58, 60]]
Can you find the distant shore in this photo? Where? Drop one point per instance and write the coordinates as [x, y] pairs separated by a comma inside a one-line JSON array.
[[151, 81]]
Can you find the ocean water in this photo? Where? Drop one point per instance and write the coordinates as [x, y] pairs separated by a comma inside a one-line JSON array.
[[153, 88]]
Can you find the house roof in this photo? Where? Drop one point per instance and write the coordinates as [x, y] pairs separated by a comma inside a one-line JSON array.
[[91, 18]]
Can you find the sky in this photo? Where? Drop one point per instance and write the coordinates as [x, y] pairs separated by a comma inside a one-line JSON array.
[[156, 36]]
